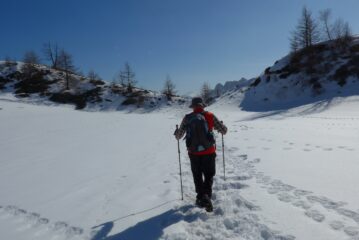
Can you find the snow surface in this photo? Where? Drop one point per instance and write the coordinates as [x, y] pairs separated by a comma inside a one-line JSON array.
[[67, 174]]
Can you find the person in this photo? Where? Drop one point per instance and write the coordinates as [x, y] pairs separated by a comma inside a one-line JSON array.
[[198, 127]]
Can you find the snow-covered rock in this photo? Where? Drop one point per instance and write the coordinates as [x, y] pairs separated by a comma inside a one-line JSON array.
[[48, 86]]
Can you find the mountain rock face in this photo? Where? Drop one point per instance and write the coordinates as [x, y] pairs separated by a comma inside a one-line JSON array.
[[320, 73], [41, 84], [228, 86]]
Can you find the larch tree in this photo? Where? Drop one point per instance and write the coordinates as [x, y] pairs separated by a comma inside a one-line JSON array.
[[169, 88], [127, 77], [52, 53], [65, 63]]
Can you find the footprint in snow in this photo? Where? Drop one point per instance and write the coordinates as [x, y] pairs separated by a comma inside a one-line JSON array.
[[351, 231], [325, 202], [243, 157], [307, 150], [315, 215], [336, 225], [300, 192], [233, 149], [301, 204], [272, 190], [328, 149], [256, 160], [349, 213], [237, 185], [285, 197], [239, 178], [15, 211]]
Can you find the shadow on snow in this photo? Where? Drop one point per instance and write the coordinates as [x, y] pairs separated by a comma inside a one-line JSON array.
[[149, 229]]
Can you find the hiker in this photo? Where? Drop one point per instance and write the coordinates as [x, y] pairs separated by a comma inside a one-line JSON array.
[[198, 126]]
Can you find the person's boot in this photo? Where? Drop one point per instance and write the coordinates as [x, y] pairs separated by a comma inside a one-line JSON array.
[[199, 203], [207, 203]]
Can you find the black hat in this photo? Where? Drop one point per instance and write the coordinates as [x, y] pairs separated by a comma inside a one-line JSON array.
[[197, 102]]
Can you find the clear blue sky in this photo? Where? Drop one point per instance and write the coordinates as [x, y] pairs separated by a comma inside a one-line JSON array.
[[191, 40]]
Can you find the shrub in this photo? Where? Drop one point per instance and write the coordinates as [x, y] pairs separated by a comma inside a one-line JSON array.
[[129, 101], [66, 97], [79, 100], [354, 49], [97, 82], [341, 75], [32, 84], [267, 70], [15, 75], [3, 82], [256, 82]]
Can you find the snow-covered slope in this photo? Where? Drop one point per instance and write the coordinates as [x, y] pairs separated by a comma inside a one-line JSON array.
[[311, 75], [67, 174], [48, 86], [319, 74]]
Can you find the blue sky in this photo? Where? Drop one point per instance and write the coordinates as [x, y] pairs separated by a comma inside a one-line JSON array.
[[194, 41]]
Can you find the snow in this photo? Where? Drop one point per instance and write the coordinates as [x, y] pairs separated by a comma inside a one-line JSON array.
[[67, 174]]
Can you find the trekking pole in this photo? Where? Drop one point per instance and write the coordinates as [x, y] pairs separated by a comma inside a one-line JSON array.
[[179, 160], [224, 162]]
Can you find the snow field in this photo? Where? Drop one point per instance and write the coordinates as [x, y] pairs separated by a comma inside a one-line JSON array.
[[68, 174]]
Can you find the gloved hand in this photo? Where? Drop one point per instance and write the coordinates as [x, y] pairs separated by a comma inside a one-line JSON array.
[[176, 135]]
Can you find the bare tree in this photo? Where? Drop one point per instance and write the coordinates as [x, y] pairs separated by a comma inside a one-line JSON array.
[[51, 52], [294, 42], [169, 88], [93, 76], [65, 63], [30, 60], [127, 77], [206, 93], [341, 29], [324, 17], [306, 32]]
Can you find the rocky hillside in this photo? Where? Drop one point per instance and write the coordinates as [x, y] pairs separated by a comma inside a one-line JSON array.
[[229, 86], [321, 73], [46, 85]]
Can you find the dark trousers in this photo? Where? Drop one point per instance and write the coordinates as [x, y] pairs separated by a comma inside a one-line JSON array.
[[203, 169]]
